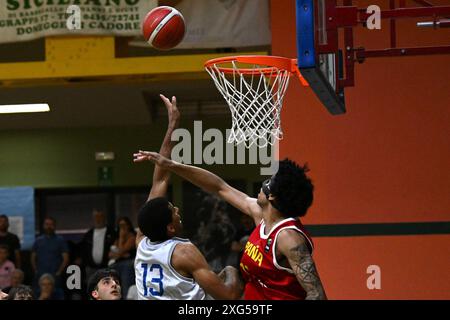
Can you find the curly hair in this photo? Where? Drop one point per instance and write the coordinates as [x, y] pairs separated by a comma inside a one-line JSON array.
[[292, 188]]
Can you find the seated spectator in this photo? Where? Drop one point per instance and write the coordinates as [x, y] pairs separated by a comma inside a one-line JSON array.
[[123, 251], [47, 290], [16, 280], [104, 284], [21, 293], [11, 240], [6, 268]]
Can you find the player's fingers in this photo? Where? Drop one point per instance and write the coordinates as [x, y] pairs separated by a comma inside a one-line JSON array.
[[143, 156], [140, 154], [166, 101], [153, 156]]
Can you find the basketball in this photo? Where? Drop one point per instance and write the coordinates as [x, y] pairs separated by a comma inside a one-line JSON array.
[[163, 28]]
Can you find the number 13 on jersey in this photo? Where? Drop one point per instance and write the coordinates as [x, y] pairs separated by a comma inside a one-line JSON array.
[[157, 276]]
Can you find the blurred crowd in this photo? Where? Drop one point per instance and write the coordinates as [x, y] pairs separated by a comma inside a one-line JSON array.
[[100, 247], [42, 274]]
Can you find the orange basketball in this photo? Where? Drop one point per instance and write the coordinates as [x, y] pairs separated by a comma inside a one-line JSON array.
[[164, 28]]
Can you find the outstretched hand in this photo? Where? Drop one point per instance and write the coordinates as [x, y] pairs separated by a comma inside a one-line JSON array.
[[154, 157], [172, 111]]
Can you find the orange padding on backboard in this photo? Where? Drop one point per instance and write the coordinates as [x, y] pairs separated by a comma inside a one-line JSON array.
[[386, 159]]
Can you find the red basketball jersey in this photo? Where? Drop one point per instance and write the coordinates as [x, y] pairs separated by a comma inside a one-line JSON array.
[[265, 278]]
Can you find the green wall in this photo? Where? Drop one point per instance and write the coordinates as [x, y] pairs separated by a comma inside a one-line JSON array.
[[57, 158]]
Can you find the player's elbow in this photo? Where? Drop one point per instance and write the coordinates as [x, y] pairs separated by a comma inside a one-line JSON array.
[[230, 291], [316, 294], [236, 290], [231, 294]]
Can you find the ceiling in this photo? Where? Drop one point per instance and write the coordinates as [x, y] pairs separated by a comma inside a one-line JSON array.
[[114, 101], [95, 102]]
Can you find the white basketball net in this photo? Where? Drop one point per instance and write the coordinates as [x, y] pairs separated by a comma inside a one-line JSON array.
[[255, 101]]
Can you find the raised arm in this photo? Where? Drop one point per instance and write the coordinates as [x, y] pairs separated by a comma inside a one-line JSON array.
[[161, 176], [188, 260], [293, 246], [206, 180]]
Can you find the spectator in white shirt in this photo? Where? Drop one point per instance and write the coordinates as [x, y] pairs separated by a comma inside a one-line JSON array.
[[96, 244]]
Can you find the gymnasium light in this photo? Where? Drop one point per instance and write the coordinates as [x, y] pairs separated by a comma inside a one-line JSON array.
[[24, 108]]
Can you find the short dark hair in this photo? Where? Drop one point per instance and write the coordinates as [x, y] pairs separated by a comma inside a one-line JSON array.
[[50, 218], [154, 217], [99, 275], [4, 216], [292, 188]]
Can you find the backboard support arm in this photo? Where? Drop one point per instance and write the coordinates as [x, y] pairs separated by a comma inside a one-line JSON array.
[[320, 48], [349, 16]]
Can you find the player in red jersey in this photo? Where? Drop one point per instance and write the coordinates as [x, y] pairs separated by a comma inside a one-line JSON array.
[[277, 262]]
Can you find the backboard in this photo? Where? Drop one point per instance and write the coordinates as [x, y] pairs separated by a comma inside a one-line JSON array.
[[319, 58], [325, 41], [326, 59]]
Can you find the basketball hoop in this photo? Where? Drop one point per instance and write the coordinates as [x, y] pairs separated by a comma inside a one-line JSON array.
[[254, 88]]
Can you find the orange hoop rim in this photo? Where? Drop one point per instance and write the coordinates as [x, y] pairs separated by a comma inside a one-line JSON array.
[[273, 63]]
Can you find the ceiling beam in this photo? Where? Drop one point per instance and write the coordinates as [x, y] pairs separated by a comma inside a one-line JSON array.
[[94, 56]]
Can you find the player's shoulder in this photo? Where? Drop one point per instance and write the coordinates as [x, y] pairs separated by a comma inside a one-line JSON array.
[[290, 237], [185, 248], [186, 258], [187, 253]]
